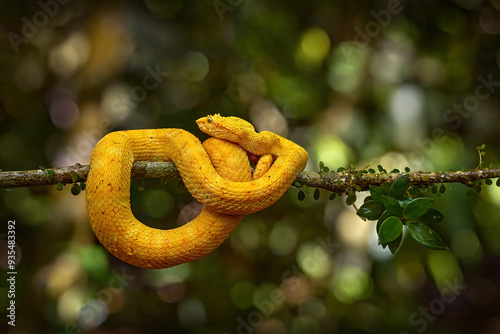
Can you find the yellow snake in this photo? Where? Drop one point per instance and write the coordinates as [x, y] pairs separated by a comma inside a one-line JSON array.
[[226, 196]]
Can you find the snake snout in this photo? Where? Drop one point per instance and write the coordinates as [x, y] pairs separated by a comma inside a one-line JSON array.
[[202, 123]]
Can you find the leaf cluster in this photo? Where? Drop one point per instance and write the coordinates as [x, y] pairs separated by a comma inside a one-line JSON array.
[[400, 206], [76, 188]]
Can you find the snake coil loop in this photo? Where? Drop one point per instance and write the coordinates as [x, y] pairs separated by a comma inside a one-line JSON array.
[[225, 195]]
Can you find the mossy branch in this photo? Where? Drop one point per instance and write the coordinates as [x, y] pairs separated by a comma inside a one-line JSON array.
[[341, 182], [345, 181], [78, 173]]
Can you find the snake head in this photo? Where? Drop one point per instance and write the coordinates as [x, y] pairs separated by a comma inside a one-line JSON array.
[[233, 129]]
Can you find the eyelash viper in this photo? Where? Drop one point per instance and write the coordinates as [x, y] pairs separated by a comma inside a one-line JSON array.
[[225, 200]]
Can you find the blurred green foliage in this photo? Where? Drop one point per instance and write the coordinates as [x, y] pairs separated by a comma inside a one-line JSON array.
[[395, 83]]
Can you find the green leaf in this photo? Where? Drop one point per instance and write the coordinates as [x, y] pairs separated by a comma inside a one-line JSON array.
[[380, 168], [316, 194], [442, 189], [301, 196], [394, 245], [141, 185], [390, 229], [407, 169], [425, 235], [51, 173], [414, 191], [377, 193], [386, 187], [405, 201], [371, 171], [416, 208], [386, 214], [431, 216], [59, 186], [398, 187], [498, 182], [41, 168], [434, 190], [351, 198], [321, 165], [392, 205], [477, 187], [74, 177], [83, 185], [75, 190], [326, 169], [368, 199], [340, 169], [488, 182], [332, 196], [370, 210]]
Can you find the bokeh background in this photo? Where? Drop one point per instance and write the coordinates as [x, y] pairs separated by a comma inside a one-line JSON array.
[[397, 83]]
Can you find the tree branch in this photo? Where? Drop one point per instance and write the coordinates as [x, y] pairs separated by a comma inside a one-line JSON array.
[[336, 182], [350, 180]]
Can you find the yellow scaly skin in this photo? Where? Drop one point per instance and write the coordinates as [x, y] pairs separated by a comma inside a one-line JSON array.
[[226, 201]]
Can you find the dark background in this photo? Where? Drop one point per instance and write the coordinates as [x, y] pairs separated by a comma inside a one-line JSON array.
[[397, 83]]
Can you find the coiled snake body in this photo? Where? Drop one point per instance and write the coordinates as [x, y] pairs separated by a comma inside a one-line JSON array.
[[226, 196]]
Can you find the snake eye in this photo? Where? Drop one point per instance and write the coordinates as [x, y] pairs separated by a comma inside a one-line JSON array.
[[209, 119]]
